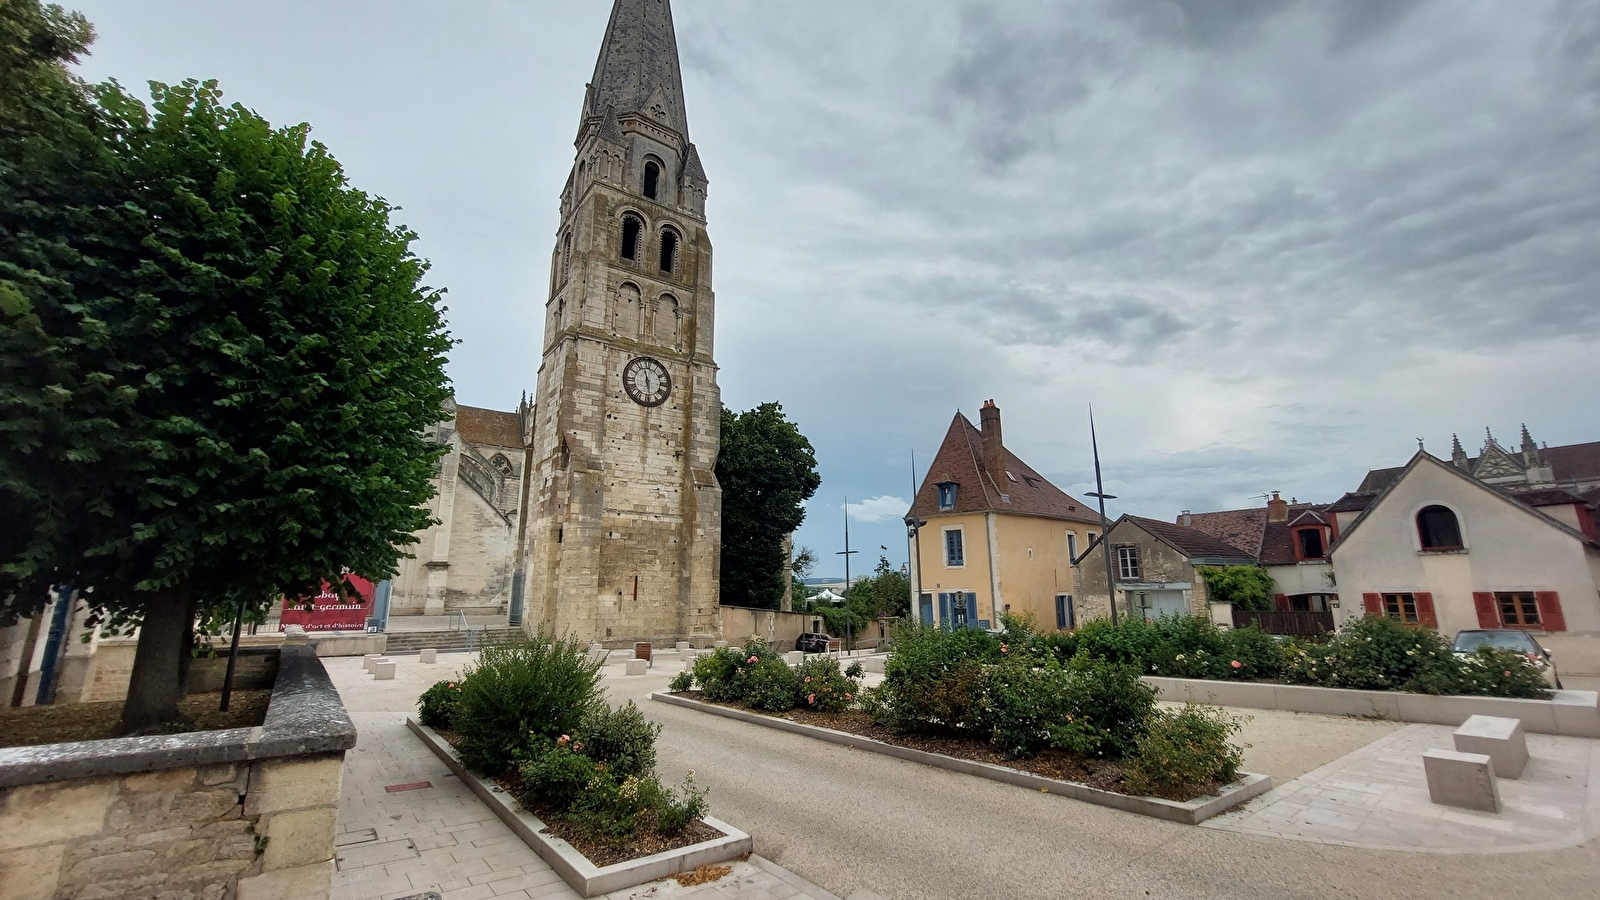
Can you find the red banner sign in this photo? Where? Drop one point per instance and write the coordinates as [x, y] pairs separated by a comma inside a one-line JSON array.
[[329, 611]]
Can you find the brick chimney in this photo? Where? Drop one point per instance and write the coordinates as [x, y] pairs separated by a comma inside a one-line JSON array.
[[993, 447], [1186, 519], [1277, 509]]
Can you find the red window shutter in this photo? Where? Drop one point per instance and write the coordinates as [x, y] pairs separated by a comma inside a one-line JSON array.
[[1550, 611], [1282, 601], [1488, 609], [1374, 603], [1425, 614]]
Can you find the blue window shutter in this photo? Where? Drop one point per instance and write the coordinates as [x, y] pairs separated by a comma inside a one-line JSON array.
[[972, 610], [1061, 611], [944, 610]]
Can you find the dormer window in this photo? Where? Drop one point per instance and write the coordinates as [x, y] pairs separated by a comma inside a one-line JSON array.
[[1308, 544], [947, 495]]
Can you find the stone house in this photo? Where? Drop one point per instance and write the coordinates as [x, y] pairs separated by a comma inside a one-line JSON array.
[[993, 535], [1156, 570], [1440, 546], [1287, 538]]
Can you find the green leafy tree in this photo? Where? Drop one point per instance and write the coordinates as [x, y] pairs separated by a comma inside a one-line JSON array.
[[767, 470], [236, 358], [800, 568], [1246, 587], [886, 593]]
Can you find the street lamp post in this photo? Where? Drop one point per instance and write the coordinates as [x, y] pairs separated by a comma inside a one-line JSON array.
[[1105, 527], [847, 553]]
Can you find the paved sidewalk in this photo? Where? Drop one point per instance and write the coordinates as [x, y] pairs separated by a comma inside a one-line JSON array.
[[1377, 798], [408, 827]]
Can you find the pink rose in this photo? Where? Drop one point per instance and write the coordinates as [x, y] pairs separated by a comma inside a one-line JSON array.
[[563, 740], [1004, 649], [1237, 664], [811, 699], [752, 659]]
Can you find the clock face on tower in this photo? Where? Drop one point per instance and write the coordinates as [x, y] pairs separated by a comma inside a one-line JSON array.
[[647, 382]]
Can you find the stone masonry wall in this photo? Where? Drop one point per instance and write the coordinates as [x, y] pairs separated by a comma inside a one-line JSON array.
[[250, 831]]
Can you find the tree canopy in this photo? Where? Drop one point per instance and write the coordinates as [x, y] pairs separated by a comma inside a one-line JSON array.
[[1246, 587], [886, 594], [767, 470], [217, 363]]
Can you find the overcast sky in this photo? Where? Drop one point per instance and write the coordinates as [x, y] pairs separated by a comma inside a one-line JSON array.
[[1273, 241]]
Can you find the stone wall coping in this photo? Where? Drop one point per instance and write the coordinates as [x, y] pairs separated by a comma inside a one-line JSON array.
[[1571, 713], [305, 716], [1191, 812]]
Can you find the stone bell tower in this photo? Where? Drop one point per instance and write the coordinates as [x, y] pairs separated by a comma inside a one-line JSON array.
[[624, 518]]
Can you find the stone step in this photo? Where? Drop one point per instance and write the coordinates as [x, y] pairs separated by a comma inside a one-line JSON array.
[[412, 641]]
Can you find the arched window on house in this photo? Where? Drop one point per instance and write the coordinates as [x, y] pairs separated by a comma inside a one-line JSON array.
[[1438, 529], [652, 179], [632, 231], [669, 251]]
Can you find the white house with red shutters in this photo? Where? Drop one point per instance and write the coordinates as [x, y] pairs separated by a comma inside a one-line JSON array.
[[1440, 547]]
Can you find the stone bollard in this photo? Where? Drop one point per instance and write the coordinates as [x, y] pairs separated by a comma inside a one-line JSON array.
[[596, 647], [383, 669], [294, 635], [366, 661], [683, 646], [720, 644], [794, 657], [688, 666], [638, 666], [429, 657], [1461, 779]]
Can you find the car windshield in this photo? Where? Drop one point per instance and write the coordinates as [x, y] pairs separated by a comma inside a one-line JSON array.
[[1468, 641]]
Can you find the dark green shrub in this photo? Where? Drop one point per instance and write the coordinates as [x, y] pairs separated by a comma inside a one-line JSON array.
[[1375, 653], [854, 670], [681, 682], [1129, 643], [1490, 671], [1018, 704], [1109, 706], [436, 708], [523, 694], [823, 687], [716, 672], [613, 809], [768, 684], [935, 677], [556, 774], [620, 739], [1260, 656], [1180, 754]]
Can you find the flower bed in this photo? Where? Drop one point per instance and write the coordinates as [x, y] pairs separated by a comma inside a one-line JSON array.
[[1375, 653], [529, 717], [965, 694]]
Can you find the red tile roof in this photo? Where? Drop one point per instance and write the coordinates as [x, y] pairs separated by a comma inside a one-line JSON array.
[[1240, 528], [960, 460], [1270, 543], [1192, 542], [489, 427]]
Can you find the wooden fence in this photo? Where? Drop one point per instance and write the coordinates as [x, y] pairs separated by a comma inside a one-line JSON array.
[[1296, 624]]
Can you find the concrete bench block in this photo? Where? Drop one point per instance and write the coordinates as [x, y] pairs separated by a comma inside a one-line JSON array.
[[1502, 740], [682, 646], [1460, 779], [720, 644], [794, 657], [429, 657], [638, 666], [383, 669], [366, 661]]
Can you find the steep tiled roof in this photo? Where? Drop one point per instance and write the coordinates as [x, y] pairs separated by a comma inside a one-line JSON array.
[[1240, 528], [960, 459], [1277, 541], [1356, 501], [1192, 542], [1573, 462], [1544, 497], [489, 427]]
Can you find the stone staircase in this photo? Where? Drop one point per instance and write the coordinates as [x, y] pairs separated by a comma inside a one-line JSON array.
[[445, 641]]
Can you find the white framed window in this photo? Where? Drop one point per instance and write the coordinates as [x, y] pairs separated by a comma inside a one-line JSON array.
[[955, 551], [1128, 564], [1072, 546]]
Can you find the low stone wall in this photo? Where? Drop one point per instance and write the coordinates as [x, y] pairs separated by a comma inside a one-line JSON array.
[[1573, 713], [244, 813]]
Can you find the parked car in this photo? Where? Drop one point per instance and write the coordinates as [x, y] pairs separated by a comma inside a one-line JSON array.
[[812, 642], [1468, 642]]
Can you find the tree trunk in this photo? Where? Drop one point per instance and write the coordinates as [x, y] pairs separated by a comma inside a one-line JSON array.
[[156, 684]]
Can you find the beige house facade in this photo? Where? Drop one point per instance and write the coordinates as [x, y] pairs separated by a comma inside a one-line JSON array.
[[993, 536], [1440, 547]]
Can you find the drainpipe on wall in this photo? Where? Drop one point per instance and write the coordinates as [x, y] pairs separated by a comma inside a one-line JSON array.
[[55, 646]]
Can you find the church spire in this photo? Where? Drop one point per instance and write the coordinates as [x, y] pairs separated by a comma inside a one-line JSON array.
[[638, 71]]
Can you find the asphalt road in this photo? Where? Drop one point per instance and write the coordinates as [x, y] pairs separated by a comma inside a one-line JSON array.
[[849, 820]]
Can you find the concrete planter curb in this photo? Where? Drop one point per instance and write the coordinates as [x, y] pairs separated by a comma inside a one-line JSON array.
[[579, 873], [1569, 713], [1192, 812]]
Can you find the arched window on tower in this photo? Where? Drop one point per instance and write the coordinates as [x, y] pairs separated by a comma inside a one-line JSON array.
[[625, 321], [669, 251], [566, 257], [652, 179], [1438, 529], [632, 231], [666, 322]]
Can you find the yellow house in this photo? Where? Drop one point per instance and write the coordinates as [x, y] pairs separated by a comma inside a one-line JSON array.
[[991, 535]]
